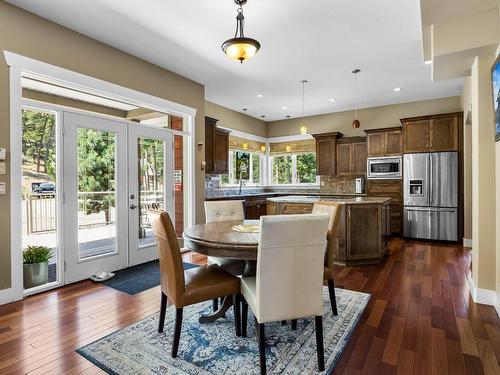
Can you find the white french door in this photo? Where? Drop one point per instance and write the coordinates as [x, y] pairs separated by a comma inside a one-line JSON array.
[[150, 186], [95, 195]]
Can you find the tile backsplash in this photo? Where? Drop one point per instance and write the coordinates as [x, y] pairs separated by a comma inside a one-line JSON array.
[[338, 185]]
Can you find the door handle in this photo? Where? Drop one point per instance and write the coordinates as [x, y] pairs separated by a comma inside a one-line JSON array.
[[133, 206]]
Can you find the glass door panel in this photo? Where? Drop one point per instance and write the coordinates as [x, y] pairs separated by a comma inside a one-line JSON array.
[[151, 192], [95, 191], [39, 197], [150, 187]]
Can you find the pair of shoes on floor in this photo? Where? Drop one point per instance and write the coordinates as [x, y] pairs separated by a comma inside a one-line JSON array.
[[102, 276]]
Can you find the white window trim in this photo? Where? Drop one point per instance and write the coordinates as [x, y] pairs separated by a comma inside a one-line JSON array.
[[24, 66], [294, 171], [266, 161], [234, 181]]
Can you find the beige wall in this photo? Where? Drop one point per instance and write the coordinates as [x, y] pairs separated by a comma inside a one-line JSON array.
[[235, 120], [466, 101], [483, 176], [35, 37], [370, 118]]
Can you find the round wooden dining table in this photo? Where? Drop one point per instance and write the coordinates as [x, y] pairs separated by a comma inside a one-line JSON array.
[[235, 239]]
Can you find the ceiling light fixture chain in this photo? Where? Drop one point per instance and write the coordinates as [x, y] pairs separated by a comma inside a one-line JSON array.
[[240, 48], [240, 20]]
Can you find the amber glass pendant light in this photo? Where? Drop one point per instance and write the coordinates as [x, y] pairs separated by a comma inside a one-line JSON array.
[[240, 48], [303, 128], [355, 123]]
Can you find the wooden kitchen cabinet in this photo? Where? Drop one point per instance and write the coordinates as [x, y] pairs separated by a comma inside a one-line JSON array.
[[432, 133], [351, 156], [326, 144], [392, 189], [255, 208], [364, 229], [384, 142], [216, 148], [344, 151], [359, 158], [444, 133], [363, 226]]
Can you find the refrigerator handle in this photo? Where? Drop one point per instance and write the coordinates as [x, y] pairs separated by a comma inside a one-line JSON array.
[[429, 171]]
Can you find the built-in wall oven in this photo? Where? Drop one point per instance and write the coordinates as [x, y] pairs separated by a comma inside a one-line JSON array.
[[384, 167]]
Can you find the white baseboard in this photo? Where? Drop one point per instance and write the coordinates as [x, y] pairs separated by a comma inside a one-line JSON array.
[[467, 242], [483, 296], [8, 296], [497, 306]]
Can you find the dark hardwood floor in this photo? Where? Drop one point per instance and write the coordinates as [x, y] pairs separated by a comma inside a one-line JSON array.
[[420, 319]]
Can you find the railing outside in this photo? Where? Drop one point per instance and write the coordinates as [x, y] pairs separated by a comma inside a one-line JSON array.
[[41, 209]]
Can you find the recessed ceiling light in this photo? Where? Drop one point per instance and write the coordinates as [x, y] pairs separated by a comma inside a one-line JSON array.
[[397, 89], [288, 116], [284, 107], [332, 100], [428, 62], [259, 95], [262, 116], [245, 109]]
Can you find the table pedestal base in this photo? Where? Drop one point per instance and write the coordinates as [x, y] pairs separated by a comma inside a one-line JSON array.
[[226, 305], [250, 270]]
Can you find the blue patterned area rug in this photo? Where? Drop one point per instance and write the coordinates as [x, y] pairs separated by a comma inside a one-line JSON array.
[[214, 348]]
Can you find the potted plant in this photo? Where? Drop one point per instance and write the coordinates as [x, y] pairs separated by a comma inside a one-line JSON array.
[[36, 265]]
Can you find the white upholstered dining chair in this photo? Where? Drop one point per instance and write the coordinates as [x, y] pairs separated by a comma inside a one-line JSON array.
[[332, 209], [289, 281], [225, 211]]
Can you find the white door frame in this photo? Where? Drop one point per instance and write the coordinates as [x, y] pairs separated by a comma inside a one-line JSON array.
[[20, 65], [140, 254]]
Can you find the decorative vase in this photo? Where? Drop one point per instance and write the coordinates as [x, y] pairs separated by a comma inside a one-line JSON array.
[[35, 274]]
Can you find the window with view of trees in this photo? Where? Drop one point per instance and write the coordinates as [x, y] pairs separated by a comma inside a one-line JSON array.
[[246, 165], [293, 169]]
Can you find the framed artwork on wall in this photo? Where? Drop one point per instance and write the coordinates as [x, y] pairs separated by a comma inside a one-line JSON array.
[[495, 81]]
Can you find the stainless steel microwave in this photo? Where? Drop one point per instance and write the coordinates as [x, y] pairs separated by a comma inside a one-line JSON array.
[[389, 167]]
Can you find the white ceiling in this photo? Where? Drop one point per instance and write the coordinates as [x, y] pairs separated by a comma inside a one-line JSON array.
[[320, 41]]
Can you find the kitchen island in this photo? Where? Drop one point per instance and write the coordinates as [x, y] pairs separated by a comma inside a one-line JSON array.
[[364, 228]]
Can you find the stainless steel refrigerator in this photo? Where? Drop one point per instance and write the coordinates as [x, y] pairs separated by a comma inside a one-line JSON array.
[[431, 196]]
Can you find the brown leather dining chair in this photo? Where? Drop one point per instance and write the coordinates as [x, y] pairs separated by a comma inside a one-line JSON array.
[[333, 210], [187, 287]]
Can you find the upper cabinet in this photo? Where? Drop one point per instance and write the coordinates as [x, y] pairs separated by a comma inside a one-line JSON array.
[[351, 156], [384, 142], [432, 133], [216, 148], [326, 144]]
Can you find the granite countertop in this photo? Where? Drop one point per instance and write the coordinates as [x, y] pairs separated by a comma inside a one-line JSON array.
[[312, 199], [287, 193]]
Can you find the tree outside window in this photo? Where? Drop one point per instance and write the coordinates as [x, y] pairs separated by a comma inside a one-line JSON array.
[[282, 169], [306, 168], [294, 169]]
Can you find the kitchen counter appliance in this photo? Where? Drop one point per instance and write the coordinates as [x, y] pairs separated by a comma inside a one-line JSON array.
[[431, 196], [388, 167]]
